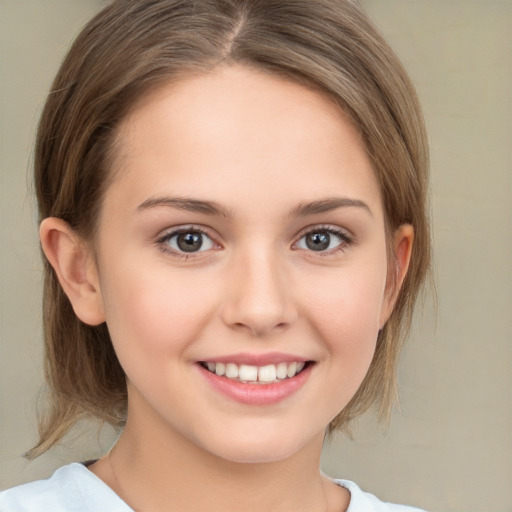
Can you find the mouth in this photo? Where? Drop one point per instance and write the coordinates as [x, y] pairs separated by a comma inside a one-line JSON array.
[[257, 375]]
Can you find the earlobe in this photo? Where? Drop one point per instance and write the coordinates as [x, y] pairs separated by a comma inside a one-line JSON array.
[[74, 267], [402, 249]]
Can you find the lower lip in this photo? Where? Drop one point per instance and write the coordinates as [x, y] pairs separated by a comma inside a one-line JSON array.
[[256, 394]]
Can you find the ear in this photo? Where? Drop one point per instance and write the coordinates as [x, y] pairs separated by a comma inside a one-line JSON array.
[[402, 248], [75, 268]]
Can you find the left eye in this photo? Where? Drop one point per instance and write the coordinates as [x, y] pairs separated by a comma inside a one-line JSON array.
[[322, 240], [189, 241]]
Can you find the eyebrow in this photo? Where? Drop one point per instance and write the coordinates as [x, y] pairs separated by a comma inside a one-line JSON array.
[[188, 204], [328, 205], [213, 208]]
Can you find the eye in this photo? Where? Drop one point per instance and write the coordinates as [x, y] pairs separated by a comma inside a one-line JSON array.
[[187, 241], [324, 240]]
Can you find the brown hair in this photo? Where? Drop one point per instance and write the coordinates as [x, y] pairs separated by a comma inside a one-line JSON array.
[[134, 45]]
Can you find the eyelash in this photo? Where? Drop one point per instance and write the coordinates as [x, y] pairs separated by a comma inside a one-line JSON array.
[[344, 239], [163, 242]]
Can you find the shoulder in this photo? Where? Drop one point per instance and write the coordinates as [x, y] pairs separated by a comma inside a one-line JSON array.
[[72, 488], [365, 502]]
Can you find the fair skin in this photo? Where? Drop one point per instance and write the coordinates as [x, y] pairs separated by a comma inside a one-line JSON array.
[[287, 266]]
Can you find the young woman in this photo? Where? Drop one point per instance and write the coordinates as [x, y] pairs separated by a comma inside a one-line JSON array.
[[232, 204]]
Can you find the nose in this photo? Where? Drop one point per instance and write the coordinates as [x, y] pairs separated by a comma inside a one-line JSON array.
[[259, 297]]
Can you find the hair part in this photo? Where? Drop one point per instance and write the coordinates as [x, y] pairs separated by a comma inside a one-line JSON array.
[[134, 46]]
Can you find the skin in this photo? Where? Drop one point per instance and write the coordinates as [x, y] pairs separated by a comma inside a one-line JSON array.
[[260, 147]]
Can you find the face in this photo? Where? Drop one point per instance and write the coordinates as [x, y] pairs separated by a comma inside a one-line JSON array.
[[241, 263]]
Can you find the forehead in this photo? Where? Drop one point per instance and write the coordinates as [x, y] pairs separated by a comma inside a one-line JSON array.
[[240, 134]]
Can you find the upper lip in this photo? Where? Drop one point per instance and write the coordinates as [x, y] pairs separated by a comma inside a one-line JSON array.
[[256, 359]]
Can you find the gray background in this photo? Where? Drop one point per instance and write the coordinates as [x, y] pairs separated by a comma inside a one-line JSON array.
[[449, 446]]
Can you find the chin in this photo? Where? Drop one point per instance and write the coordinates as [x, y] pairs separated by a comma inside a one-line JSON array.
[[249, 455], [257, 448]]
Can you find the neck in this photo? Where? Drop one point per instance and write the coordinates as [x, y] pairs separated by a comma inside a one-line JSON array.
[[150, 472], [150, 478], [149, 475]]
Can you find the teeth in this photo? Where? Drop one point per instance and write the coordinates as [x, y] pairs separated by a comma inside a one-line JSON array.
[[292, 370], [267, 373], [282, 371], [248, 372], [263, 374], [231, 371]]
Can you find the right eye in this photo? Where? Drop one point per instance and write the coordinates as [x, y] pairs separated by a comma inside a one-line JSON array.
[[187, 241]]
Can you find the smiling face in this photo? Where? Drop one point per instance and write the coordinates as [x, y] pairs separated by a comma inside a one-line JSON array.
[[242, 239]]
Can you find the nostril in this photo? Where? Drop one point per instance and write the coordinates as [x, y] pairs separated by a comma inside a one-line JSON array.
[[259, 308]]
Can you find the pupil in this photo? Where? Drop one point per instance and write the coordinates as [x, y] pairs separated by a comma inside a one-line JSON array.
[[190, 242], [318, 241]]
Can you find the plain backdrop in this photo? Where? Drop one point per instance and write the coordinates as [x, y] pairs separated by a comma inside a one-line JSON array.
[[448, 447]]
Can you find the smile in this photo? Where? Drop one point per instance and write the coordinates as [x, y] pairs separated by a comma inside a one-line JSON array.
[[268, 374], [257, 380]]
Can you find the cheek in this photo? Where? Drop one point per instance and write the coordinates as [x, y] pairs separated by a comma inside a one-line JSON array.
[[154, 313], [345, 309]]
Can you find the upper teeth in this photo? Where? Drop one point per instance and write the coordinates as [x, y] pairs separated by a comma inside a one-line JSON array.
[[247, 373]]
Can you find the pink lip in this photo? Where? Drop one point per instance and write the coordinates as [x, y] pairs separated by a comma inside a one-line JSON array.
[[257, 359], [256, 394]]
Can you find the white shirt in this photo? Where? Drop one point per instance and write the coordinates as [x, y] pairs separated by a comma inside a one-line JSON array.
[[73, 488]]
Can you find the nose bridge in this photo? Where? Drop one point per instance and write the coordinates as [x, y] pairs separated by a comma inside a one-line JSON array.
[[259, 298]]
